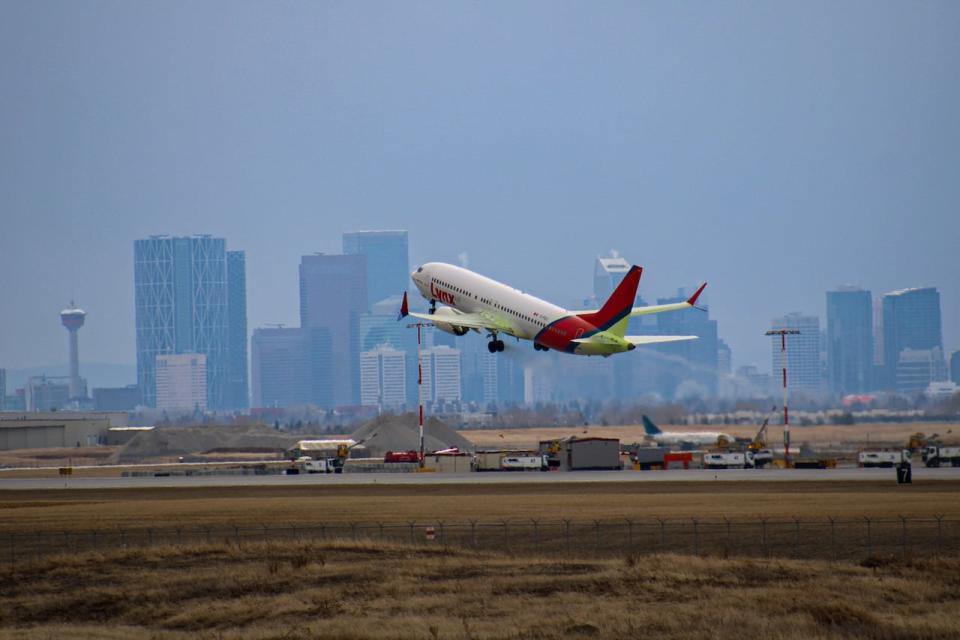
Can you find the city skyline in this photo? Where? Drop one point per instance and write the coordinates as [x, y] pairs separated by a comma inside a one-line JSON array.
[[781, 153]]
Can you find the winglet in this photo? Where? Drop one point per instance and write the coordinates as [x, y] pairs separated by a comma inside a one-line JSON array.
[[404, 308], [693, 299]]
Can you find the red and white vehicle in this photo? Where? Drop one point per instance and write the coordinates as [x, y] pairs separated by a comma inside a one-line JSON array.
[[474, 302]]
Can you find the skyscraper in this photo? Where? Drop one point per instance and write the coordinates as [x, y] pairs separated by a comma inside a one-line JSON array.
[[333, 295], [383, 377], [388, 261], [181, 382], [291, 367], [183, 306], [380, 326], [911, 320], [803, 352], [954, 367], [3, 389], [849, 340], [237, 387]]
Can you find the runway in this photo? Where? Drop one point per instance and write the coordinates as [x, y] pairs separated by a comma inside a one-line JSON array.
[[920, 475]]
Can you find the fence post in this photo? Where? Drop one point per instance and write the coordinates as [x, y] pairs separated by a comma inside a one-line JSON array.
[[412, 525], [443, 539], [939, 533], [353, 531], [763, 538], [473, 533], [179, 537], [596, 524], [663, 534], [506, 539], [729, 537], [696, 537], [566, 524], [869, 540], [796, 537], [236, 534], [380, 524], [629, 535], [903, 536], [13, 549], [536, 534], [833, 538]]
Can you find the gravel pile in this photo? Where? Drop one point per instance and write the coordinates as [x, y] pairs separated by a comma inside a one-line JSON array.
[[401, 433], [183, 441]]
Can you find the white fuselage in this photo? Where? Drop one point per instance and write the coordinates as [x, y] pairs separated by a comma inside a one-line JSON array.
[[704, 438], [468, 292]]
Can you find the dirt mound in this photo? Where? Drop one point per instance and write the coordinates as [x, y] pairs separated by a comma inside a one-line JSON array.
[[401, 433], [180, 441]]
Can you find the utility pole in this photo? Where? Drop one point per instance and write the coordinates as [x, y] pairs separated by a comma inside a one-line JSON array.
[[783, 333]]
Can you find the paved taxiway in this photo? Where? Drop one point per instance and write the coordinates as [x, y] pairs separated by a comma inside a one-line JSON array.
[[920, 474]]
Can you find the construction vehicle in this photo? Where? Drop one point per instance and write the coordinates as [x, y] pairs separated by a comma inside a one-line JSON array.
[[936, 455], [729, 460], [884, 458]]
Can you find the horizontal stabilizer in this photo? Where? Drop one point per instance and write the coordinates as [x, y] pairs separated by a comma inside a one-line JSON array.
[[639, 340]]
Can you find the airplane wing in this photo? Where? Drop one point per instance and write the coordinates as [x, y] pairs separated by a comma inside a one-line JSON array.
[[660, 308], [640, 340], [468, 320]]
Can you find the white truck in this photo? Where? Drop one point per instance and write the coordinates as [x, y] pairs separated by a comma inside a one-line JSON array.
[[731, 460], [884, 458], [936, 455], [308, 465], [523, 463]]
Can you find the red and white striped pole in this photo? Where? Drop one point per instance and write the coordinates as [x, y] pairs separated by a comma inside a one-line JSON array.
[[783, 333], [420, 389]]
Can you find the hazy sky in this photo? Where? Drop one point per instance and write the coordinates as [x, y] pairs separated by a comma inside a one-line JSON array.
[[775, 149]]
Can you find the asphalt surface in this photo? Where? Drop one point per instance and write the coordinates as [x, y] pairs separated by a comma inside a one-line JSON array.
[[920, 474]]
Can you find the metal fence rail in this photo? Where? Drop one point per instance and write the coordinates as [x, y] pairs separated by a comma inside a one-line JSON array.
[[830, 539]]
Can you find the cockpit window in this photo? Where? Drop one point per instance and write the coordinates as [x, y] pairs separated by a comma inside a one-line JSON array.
[[419, 269]]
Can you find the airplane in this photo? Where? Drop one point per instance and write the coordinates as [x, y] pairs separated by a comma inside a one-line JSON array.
[[474, 302], [691, 438]]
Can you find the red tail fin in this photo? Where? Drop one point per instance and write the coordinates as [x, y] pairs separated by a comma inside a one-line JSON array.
[[620, 302]]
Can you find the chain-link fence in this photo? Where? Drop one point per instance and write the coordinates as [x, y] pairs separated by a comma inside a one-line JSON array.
[[829, 539]]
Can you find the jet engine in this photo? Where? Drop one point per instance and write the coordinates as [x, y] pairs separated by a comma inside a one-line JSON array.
[[441, 316]]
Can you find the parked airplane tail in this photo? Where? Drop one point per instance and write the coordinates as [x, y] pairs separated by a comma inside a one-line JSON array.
[[615, 312], [650, 428]]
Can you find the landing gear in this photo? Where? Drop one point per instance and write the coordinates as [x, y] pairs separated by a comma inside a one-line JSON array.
[[495, 346], [540, 347], [433, 306]]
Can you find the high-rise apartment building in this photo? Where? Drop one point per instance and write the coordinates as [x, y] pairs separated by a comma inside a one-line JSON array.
[[849, 340], [955, 367], [440, 368], [3, 389], [911, 320], [187, 301], [388, 261], [181, 382], [238, 389], [333, 296], [380, 326], [49, 393], [383, 377], [291, 367], [803, 352]]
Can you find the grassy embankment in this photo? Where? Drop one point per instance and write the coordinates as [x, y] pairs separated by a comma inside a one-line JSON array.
[[78, 509], [366, 590]]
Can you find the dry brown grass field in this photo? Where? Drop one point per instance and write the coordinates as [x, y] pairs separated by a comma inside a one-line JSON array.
[[79, 510], [361, 589], [879, 434]]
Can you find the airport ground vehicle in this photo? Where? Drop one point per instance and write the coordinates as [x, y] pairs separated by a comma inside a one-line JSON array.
[[401, 456], [762, 457], [885, 459], [730, 460], [523, 463], [323, 465], [936, 455]]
